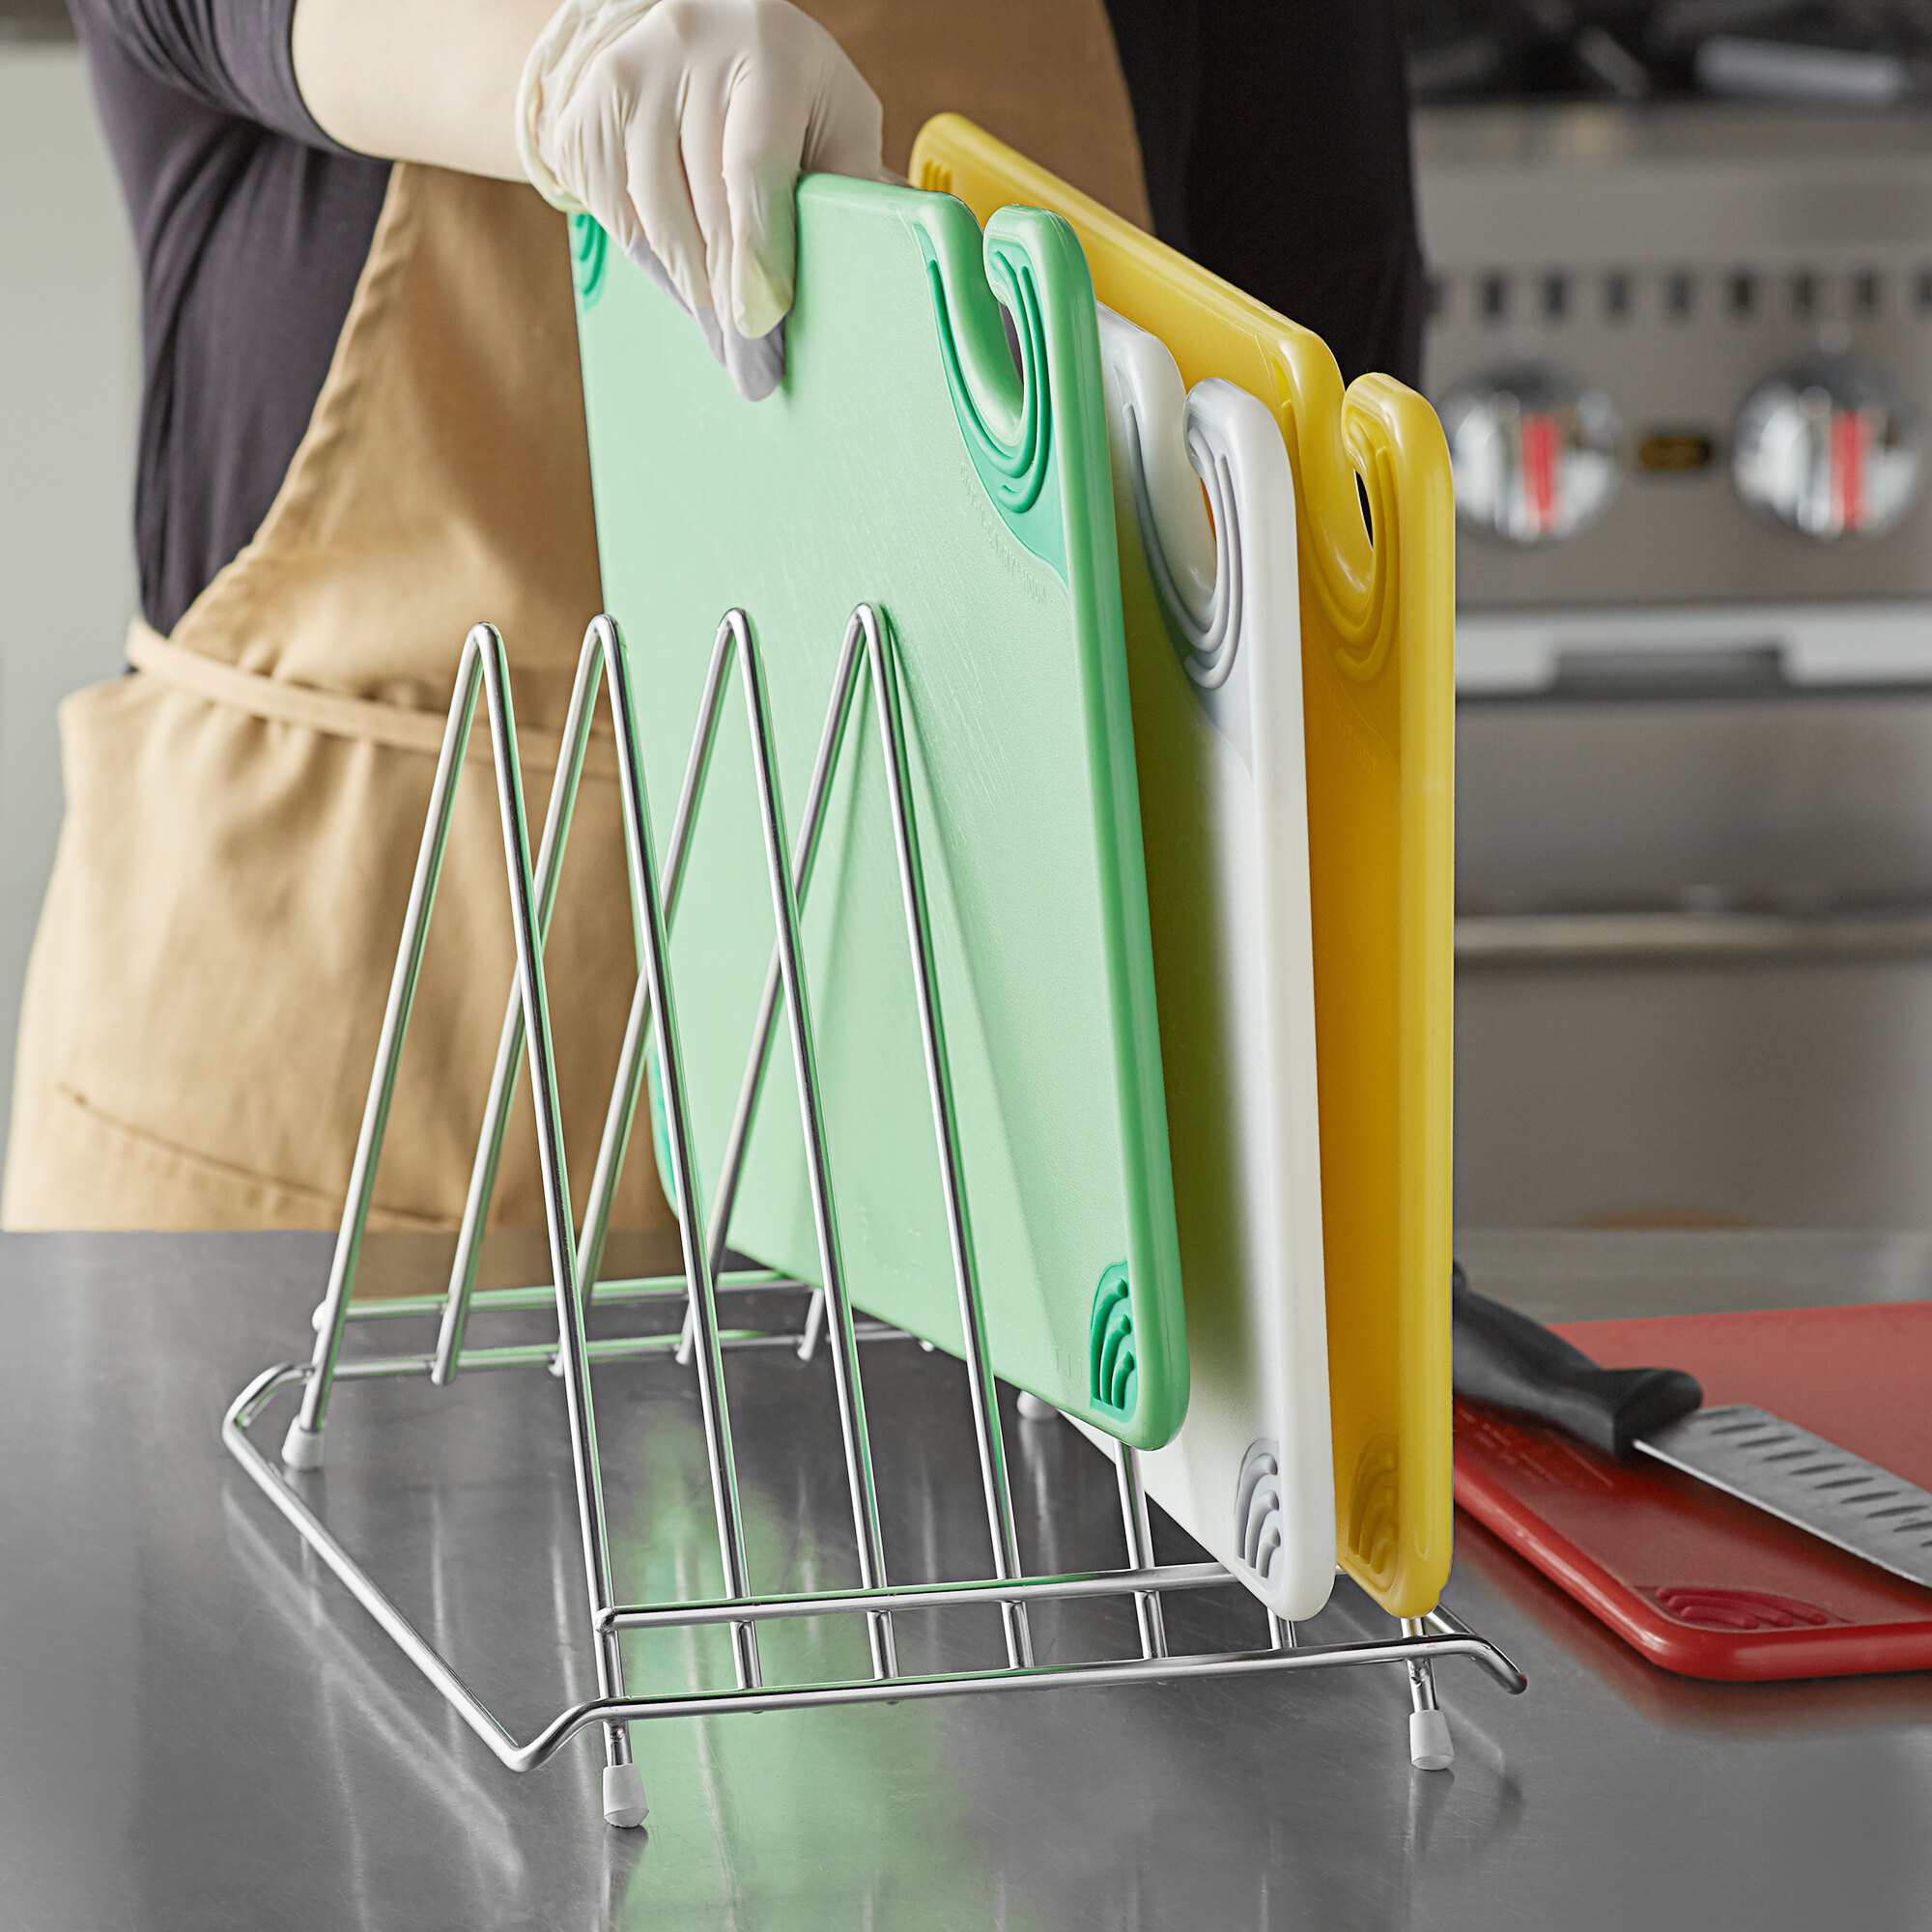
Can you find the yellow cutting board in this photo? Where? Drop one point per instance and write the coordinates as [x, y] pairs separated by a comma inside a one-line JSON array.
[[1377, 639]]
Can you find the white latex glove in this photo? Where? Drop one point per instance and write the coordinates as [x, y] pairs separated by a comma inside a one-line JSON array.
[[682, 125]]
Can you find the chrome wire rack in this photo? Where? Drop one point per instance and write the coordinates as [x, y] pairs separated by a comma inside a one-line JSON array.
[[866, 663]]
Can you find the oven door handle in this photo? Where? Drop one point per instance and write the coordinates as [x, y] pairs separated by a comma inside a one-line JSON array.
[[1499, 942]]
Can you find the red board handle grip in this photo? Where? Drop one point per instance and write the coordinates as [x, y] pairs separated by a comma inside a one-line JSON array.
[[1513, 1362]]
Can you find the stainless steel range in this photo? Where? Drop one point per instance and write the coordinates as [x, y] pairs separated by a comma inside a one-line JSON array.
[[1684, 355]]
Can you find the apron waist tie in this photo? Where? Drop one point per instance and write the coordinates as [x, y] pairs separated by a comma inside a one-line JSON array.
[[400, 726]]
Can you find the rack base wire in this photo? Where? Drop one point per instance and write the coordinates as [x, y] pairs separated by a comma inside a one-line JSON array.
[[866, 661]]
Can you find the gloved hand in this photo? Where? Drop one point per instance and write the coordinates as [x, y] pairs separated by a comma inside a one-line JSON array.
[[682, 125]]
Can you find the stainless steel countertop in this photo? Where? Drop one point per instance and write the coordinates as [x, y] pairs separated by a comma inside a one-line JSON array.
[[200, 1729]]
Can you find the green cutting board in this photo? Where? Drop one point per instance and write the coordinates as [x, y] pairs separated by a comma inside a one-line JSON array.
[[905, 463]]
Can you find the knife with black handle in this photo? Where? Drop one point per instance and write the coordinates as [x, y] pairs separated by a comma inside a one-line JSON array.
[[1512, 1362]]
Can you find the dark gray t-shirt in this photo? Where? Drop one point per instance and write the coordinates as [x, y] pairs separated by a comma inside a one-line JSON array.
[[250, 227], [1274, 131]]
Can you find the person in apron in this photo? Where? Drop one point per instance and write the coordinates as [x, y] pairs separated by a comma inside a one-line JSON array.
[[243, 809]]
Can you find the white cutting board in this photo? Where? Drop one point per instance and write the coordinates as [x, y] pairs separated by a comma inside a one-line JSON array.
[[1214, 658]]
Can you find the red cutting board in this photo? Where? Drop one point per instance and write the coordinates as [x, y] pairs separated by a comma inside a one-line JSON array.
[[1696, 1582]]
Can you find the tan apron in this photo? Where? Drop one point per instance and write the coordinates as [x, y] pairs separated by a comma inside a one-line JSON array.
[[244, 811], [1042, 74]]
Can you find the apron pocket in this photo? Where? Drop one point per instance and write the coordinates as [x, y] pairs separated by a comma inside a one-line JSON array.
[[208, 981]]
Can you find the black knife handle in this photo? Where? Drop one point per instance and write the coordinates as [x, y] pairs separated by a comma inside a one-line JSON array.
[[1505, 1359]]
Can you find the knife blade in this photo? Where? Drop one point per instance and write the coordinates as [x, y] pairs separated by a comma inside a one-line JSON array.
[[1513, 1362]]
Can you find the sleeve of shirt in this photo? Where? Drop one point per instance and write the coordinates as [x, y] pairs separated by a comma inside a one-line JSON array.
[[231, 57], [1275, 139]]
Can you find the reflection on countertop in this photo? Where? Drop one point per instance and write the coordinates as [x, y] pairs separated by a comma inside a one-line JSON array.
[[201, 1728]]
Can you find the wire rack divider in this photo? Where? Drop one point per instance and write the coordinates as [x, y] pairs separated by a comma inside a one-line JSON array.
[[866, 667]]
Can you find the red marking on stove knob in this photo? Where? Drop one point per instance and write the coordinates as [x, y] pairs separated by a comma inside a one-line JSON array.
[[1851, 451], [1542, 444]]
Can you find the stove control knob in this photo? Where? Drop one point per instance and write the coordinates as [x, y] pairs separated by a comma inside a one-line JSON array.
[[1534, 451], [1830, 449]]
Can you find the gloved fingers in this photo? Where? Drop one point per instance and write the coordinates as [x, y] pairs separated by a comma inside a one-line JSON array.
[[587, 143], [682, 125], [760, 169], [796, 104], [661, 194], [755, 363], [700, 137], [639, 252]]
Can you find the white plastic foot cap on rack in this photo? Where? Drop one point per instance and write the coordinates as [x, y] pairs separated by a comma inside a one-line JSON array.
[[302, 1448], [1429, 1746], [624, 1795], [1033, 1409]]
